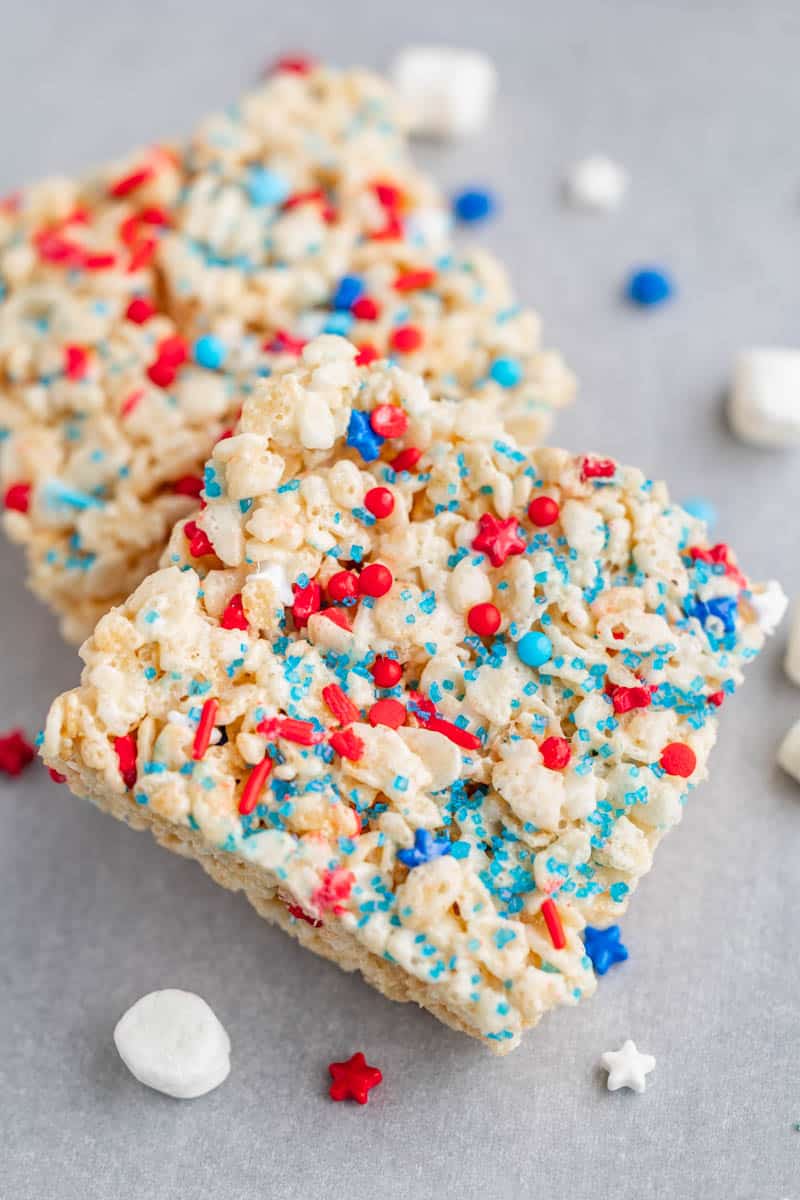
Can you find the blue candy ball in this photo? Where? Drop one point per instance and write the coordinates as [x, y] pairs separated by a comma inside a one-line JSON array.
[[209, 351], [506, 371], [473, 204], [649, 286], [702, 509], [348, 290], [266, 187], [535, 649]]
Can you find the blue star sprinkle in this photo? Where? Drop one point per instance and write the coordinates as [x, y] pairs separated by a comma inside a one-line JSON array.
[[362, 437], [721, 607], [425, 849], [604, 947]]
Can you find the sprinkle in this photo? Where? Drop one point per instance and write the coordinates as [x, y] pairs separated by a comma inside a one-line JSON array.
[[386, 672], [678, 759], [648, 287], [366, 354], [343, 585], [76, 362], [387, 712], [704, 510], [362, 437], [625, 699], [335, 887], [293, 64], [56, 776], [307, 600], [454, 733], [506, 371], [18, 497], [353, 1079], [251, 793], [407, 459], [365, 309], [300, 914], [125, 750], [234, 615], [302, 733], [205, 727], [484, 619], [210, 351], [499, 539], [426, 848], [375, 580], [604, 947], [597, 468], [188, 485], [543, 511], [473, 204], [552, 919], [406, 339], [389, 420], [16, 752], [342, 707], [411, 281], [535, 649], [265, 187], [556, 753], [347, 744], [348, 290], [199, 542], [380, 502], [131, 182]]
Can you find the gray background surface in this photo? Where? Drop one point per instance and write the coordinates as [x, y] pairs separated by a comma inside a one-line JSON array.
[[701, 100]]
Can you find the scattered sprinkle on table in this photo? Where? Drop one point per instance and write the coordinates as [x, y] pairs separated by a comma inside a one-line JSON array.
[[16, 752], [353, 1079], [649, 286], [604, 947], [473, 204], [627, 1067]]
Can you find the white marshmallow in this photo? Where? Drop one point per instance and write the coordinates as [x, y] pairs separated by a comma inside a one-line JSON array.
[[597, 183], [172, 1041], [275, 572], [789, 752], [770, 604], [764, 402], [791, 662], [448, 92]]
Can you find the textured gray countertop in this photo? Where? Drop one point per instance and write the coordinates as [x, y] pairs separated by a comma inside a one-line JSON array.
[[702, 102]]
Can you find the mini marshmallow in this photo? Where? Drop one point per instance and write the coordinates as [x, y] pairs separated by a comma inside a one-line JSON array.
[[275, 572], [791, 663], [173, 1042], [789, 752], [596, 183], [770, 603], [764, 402], [448, 92]]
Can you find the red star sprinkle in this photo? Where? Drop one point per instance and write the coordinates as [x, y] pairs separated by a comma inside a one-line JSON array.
[[16, 752], [597, 468], [354, 1079], [498, 538], [626, 698], [336, 886]]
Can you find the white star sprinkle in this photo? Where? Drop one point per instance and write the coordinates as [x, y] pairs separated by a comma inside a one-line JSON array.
[[627, 1067]]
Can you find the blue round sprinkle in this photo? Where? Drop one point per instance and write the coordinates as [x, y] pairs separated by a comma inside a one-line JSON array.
[[535, 649], [702, 509], [266, 187], [473, 204], [349, 288], [506, 371], [649, 286], [209, 351]]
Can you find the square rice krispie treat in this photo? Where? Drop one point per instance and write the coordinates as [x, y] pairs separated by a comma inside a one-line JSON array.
[[139, 304], [429, 700]]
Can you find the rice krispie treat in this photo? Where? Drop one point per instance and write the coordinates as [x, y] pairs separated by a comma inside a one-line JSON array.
[[429, 700], [140, 304]]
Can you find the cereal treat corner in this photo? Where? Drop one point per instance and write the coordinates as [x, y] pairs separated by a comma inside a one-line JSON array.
[[429, 699]]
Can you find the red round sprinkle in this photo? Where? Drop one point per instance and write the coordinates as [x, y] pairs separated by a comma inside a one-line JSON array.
[[543, 510], [162, 373], [678, 759], [342, 586], [375, 580], [76, 362], [16, 752], [484, 619], [366, 354], [233, 617], [406, 339], [386, 672], [406, 460], [173, 350], [410, 281], [56, 776], [307, 600], [18, 497], [365, 309], [556, 753], [140, 310], [125, 750], [251, 793], [380, 502], [352, 1080], [205, 727], [389, 420], [387, 712], [294, 64], [188, 485], [552, 919]]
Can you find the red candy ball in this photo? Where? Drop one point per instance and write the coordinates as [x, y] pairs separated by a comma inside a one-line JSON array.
[[387, 712], [543, 511], [380, 502], [375, 580], [484, 619], [555, 752], [342, 586], [678, 759], [389, 420], [406, 339], [386, 672]]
